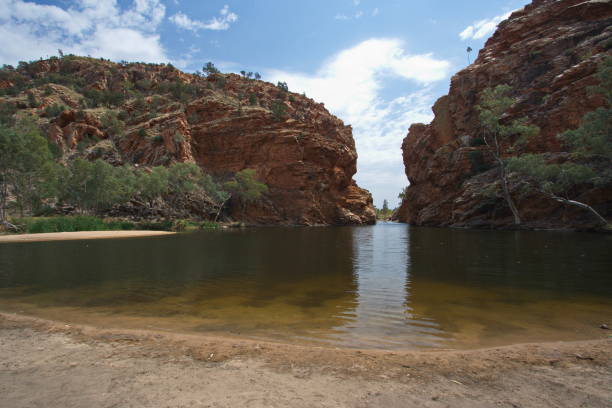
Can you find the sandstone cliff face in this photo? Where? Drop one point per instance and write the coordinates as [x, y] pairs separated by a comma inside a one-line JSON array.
[[224, 123], [548, 53]]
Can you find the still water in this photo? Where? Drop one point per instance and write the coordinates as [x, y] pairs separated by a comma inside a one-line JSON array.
[[387, 286]]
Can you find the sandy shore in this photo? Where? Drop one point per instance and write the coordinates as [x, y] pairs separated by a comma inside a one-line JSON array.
[[68, 236], [50, 364]]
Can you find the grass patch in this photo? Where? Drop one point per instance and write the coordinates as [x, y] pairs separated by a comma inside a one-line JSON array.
[[37, 225], [70, 224], [209, 225]]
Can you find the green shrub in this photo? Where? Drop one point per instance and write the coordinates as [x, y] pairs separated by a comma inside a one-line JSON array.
[[278, 110], [32, 102], [121, 225], [209, 225], [53, 111], [165, 225], [113, 124], [179, 225], [7, 110], [178, 138]]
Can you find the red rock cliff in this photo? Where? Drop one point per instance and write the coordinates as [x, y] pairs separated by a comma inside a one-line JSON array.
[[548, 53], [223, 122]]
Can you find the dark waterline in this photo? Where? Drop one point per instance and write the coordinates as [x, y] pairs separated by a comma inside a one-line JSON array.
[[387, 286]]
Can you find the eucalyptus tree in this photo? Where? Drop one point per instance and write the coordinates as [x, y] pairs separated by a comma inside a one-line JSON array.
[[501, 136]]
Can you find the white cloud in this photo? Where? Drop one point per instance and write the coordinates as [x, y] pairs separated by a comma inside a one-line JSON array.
[[100, 28], [482, 28], [358, 14], [222, 22], [375, 12], [352, 85]]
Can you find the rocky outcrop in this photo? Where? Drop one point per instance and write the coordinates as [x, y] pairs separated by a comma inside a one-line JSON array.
[[146, 114], [548, 53]]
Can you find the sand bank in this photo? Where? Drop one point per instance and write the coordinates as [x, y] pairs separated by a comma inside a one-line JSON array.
[[69, 236]]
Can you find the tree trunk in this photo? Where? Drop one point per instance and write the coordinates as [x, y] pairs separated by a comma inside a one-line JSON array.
[[581, 205], [9, 226], [221, 208], [504, 178], [3, 195]]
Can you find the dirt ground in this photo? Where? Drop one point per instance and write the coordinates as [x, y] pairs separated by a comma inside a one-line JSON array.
[[70, 236], [49, 364]]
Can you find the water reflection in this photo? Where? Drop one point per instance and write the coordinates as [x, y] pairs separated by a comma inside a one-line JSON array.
[[388, 286], [500, 287]]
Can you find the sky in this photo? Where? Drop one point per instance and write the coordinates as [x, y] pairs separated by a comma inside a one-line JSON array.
[[379, 65]]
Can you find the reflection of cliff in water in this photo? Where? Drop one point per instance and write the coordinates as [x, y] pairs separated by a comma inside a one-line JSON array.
[[243, 280], [558, 262], [491, 284]]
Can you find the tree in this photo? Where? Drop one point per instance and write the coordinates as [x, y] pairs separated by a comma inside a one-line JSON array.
[[385, 206], [91, 186], [557, 180], [257, 76], [245, 187], [498, 136], [183, 177], [402, 193], [210, 68], [153, 184], [27, 170], [113, 125], [594, 136], [279, 109], [282, 86], [590, 146], [243, 73], [469, 50], [212, 189], [32, 102], [128, 183]]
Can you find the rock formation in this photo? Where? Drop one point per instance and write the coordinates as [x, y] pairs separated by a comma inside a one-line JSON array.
[[548, 53], [145, 114]]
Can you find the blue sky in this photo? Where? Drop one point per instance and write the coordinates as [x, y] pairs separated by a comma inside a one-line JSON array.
[[377, 64]]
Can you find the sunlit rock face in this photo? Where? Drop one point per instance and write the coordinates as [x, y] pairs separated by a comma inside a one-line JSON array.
[[225, 123], [548, 53]]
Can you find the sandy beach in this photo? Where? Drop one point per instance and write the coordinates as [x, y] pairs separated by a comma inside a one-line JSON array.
[[44, 363], [70, 236]]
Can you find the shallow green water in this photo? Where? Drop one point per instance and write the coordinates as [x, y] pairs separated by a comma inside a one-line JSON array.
[[387, 286]]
